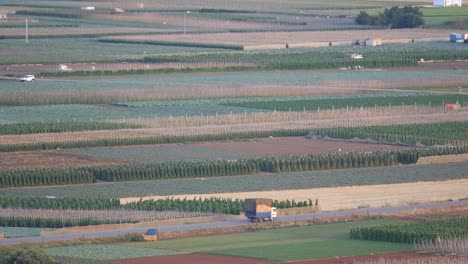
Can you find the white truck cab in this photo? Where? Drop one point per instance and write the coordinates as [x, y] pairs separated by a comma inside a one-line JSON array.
[[274, 214]]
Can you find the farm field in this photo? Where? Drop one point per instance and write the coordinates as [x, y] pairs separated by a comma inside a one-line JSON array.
[[352, 197], [258, 125], [269, 40], [164, 113], [67, 50], [106, 252], [251, 183], [49, 159], [225, 150], [22, 231], [321, 241]]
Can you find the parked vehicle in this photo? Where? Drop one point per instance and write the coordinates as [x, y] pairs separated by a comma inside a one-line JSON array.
[[27, 78], [259, 209]]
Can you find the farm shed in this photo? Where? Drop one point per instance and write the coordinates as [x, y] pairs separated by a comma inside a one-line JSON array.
[[445, 3], [373, 42]]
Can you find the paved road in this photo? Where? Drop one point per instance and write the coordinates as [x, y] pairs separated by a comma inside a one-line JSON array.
[[187, 227]]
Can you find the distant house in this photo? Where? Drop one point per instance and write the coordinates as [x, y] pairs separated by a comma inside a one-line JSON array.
[[445, 3], [3, 16]]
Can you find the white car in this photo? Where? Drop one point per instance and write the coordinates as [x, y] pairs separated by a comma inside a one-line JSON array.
[[27, 78]]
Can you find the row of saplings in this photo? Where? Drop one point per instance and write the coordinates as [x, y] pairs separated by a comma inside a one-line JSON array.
[[213, 205], [195, 169]]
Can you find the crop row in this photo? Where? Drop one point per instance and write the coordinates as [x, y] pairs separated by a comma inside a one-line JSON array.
[[178, 170], [413, 232], [323, 59], [252, 183], [427, 134], [153, 140], [44, 177], [63, 218], [58, 127], [313, 105]]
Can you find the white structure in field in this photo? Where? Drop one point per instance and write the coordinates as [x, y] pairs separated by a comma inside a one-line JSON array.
[[88, 8], [444, 3], [3, 16]]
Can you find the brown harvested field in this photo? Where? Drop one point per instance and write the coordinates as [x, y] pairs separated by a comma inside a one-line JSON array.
[[247, 40], [49, 159], [404, 257], [194, 259], [351, 197], [443, 159], [294, 145], [258, 122]]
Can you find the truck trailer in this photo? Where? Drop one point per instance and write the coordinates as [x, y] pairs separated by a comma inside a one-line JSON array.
[[259, 209]]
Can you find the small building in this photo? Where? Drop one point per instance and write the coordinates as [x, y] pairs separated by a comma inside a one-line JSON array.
[[3, 16], [373, 42], [88, 8], [446, 3]]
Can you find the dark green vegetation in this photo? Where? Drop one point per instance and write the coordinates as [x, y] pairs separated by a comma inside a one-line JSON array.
[[178, 170], [58, 127], [214, 205], [428, 134], [323, 59], [25, 256], [57, 223], [43, 177], [251, 183], [281, 244], [312, 105], [429, 230], [395, 17]]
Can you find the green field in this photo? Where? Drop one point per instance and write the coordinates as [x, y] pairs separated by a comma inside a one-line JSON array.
[[311, 105], [106, 252], [67, 50], [22, 231], [279, 181], [284, 244]]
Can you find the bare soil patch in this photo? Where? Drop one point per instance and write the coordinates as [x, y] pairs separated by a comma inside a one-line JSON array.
[[437, 65], [355, 259], [194, 259], [295, 145], [49, 159], [442, 159]]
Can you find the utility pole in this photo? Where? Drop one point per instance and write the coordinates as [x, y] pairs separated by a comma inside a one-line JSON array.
[[27, 33], [185, 21]]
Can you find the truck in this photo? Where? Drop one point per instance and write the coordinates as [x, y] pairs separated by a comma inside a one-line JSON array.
[[259, 209]]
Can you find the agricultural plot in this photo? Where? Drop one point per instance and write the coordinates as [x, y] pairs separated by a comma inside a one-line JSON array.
[[67, 50], [429, 134], [22, 231], [274, 40], [49, 159], [294, 243], [106, 252], [311, 105], [233, 150], [279, 181]]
